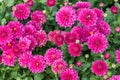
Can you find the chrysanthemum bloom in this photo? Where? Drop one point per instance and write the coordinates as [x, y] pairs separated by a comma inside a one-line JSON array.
[[8, 58], [118, 56], [52, 54], [24, 43], [38, 16], [103, 27], [83, 5], [50, 3], [33, 43], [35, 24], [24, 59], [29, 2], [5, 35], [114, 9], [87, 17], [16, 27], [70, 37], [41, 37], [99, 67], [59, 66], [66, 16], [29, 30], [100, 13], [21, 11], [74, 49], [37, 64], [97, 43], [115, 77], [59, 40], [52, 34], [69, 74]]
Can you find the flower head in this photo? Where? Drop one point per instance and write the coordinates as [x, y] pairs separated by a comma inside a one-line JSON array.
[[66, 16], [118, 56], [99, 67], [100, 13], [83, 4], [115, 77], [59, 40], [50, 3], [114, 9]]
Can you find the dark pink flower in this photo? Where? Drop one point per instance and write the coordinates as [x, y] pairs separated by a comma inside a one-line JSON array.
[[74, 49], [99, 67], [100, 13], [29, 2], [59, 66], [83, 5], [118, 56], [37, 64], [97, 43], [66, 16], [52, 54], [78, 63], [21, 11], [50, 3], [5, 35], [59, 40], [107, 56], [38, 16], [69, 74], [115, 77], [87, 17], [114, 9]]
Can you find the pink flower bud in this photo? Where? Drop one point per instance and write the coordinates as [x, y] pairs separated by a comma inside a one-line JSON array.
[[50, 3], [78, 63], [101, 4], [114, 9], [107, 56], [105, 77], [117, 29]]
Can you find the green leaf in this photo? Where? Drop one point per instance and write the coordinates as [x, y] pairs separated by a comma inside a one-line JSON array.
[[38, 76], [9, 3]]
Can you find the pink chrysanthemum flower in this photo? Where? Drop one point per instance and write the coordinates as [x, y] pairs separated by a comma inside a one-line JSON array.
[[8, 58], [99, 67], [41, 37], [74, 49], [24, 43], [69, 74], [29, 2], [59, 66], [37, 64], [50, 3], [97, 43], [115, 77], [29, 30], [5, 34], [52, 54], [66, 16], [87, 17], [38, 16], [71, 37], [35, 24], [16, 27], [24, 59], [83, 5], [118, 56], [21, 11], [99, 13], [59, 40], [33, 43], [103, 27]]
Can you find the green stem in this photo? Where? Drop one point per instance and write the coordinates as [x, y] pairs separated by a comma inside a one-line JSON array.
[[56, 77]]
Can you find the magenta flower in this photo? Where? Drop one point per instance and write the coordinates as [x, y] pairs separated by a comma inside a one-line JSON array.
[[100, 13], [35, 24], [38, 16], [83, 5], [87, 17], [74, 49], [21, 11], [118, 56], [115, 77], [59, 66], [69, 74], [37, 64], [66, 16], [50, 3], [41, 38], [29, 30], [103, 27], [97, 43], [30, 2], [24, 59], [52, 54], [24, 43], [99, 67], [8, 58], [114, 9], [17, 28], [59, 40], [5, 34]]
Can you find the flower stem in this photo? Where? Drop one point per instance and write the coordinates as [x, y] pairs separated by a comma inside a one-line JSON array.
[[56, 77]]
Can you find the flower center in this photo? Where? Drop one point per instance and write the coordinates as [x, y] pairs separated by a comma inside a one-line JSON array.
[[14, 29], [9, 44], [88, 17], [37, 64], [9, 56], [91, 32], [59, 66], [53, 56]]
